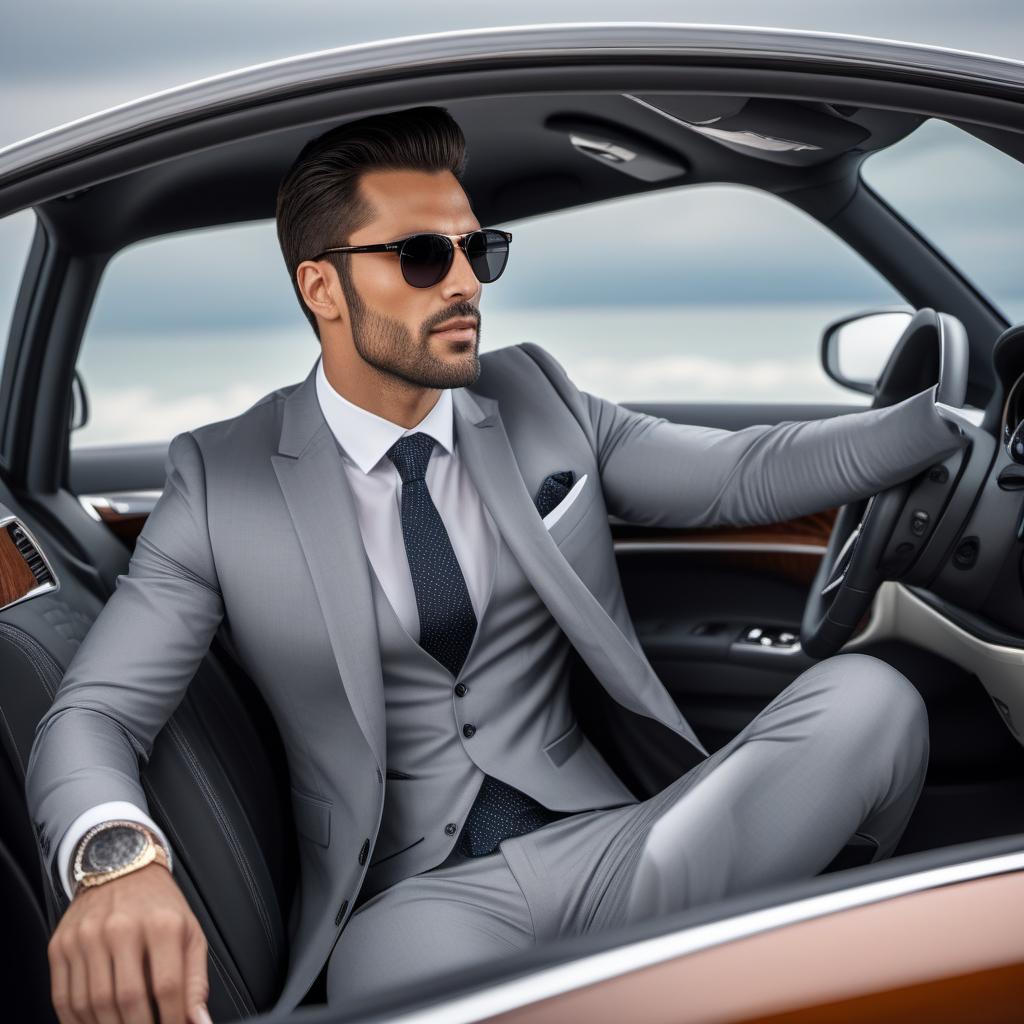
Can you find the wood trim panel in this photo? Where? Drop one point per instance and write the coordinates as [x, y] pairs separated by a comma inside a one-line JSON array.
[[725, 546], [126, 525], [16, 578], [812, 529]]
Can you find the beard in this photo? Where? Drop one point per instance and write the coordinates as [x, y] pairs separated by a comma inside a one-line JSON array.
[[389, 346]]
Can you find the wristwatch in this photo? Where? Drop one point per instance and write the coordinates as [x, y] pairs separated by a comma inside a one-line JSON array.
[[113, 849]]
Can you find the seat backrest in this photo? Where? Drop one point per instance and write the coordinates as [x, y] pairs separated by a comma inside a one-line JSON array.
[[217, 782]]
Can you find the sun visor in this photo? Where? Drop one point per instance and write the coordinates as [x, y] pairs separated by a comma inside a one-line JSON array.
[[781, 132]]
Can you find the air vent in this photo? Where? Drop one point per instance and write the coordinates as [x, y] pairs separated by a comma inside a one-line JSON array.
[[24, 569], [30, 553]]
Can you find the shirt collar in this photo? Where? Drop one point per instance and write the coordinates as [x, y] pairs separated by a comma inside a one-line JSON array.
[[364, 435]]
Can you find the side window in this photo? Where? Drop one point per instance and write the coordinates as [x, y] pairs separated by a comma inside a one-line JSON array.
[[709, 292], [15, 239], [188, 329]]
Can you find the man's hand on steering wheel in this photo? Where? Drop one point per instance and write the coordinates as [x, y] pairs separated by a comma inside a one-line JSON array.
[[864, 547]]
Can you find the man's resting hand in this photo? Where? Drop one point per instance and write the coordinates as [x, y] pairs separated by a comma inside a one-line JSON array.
[[126, 949]]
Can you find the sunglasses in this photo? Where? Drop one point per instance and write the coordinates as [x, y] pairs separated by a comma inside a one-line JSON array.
[[426, 258]]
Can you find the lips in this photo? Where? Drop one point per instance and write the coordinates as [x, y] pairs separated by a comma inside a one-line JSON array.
[[462, 323]]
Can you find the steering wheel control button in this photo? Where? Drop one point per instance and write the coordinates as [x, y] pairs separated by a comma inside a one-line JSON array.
[[1011, 478], [966, 553], [468, 730], [451, 828], [919, 522], [753, 634]]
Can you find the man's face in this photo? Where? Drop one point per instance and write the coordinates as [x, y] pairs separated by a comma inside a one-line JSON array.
[[391, 322]]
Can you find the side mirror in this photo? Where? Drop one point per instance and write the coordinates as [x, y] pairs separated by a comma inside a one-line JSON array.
[[854, 350], [79, 403]]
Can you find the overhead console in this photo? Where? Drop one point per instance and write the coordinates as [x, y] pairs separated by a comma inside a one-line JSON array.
[[799, 134]]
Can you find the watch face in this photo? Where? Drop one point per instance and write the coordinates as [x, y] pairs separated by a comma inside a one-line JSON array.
[[113, 848]]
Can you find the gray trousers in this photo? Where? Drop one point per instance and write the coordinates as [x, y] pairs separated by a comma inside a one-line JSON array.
[[842, 749]]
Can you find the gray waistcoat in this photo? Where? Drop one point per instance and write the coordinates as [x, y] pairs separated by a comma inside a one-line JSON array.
[[516, 695]]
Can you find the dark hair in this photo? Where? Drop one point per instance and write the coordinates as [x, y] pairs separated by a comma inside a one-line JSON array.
[[318, 201]]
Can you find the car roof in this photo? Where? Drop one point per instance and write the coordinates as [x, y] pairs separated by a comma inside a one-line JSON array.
[[213, 151]]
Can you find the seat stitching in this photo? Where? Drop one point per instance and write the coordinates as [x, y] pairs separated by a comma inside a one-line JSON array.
[[179, 843], [31, 647], [14, 745], [222, 820], [229, 984]]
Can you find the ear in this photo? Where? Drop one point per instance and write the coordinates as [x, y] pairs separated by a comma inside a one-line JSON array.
[[320, 289]]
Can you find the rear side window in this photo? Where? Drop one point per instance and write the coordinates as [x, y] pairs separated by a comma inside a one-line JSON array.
[[187, 329]]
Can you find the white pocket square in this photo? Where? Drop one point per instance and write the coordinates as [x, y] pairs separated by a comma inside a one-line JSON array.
[[560, 509]]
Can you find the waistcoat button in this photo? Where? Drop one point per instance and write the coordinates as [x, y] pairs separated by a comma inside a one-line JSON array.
[[364, 851], [461, 689], [341, 912], [451, 828], [468, 730]]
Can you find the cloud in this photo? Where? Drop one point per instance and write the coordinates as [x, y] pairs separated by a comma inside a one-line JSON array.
[[139, 414]]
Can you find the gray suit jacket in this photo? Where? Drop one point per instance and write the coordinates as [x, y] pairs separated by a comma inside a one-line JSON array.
[[256, 530]]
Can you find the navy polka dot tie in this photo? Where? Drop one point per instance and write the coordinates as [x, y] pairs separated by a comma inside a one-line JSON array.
[[447, 627]]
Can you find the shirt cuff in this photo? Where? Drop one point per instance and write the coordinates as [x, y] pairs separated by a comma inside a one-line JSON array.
[[112, 810]]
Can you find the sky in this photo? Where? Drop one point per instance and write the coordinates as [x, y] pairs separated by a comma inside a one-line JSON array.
[[669, 325], [62, 59]]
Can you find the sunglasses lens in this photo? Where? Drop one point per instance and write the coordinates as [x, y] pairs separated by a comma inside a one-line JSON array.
[[488, 253], [426, 259]]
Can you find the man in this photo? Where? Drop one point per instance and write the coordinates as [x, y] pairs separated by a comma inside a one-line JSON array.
[[432, 526]]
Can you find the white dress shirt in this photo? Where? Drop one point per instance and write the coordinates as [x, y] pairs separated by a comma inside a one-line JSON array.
[[376, 485]]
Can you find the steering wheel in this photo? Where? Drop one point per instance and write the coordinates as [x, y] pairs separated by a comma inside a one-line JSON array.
[[932, 349]]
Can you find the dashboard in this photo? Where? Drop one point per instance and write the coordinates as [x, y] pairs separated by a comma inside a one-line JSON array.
[[963, 597]]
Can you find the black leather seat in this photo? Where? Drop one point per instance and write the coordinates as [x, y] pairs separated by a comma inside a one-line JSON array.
[[217, 782]]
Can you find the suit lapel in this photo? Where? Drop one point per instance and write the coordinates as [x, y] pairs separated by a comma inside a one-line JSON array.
[[310, 471], [483, 445]]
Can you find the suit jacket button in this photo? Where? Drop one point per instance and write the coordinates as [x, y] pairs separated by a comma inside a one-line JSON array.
[[451, 828], [461, 689], [364, 851], [341, 913], [468, 730]]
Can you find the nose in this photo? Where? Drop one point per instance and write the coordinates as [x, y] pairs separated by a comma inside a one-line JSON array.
[[460, 279]]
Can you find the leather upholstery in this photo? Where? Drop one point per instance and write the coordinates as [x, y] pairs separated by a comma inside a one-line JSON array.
[[216, 782]]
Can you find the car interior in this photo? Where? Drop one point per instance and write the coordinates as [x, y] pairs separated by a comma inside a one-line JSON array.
[[701, 600]]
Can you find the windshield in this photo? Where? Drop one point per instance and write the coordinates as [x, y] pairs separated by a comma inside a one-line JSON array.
[[967, 198]]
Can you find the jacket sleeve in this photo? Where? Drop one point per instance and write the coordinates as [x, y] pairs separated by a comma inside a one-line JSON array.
[[659, 473], [135, 663]]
